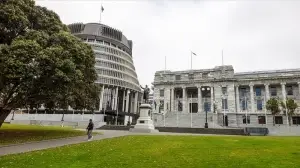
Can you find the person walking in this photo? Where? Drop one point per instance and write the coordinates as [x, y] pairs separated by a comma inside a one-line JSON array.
[[89, 129]]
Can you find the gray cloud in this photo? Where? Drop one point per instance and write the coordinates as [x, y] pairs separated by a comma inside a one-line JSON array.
[[255, 35]]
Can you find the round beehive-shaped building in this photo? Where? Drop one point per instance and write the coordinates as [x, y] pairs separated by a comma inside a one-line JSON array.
[[114, 65]]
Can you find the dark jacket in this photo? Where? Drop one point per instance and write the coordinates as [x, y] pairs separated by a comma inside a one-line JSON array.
[[90, 126]]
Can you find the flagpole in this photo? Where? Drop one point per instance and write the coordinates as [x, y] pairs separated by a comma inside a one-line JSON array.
[[191, 60], [101, 10], [165, 63], [100, 13], [222, 58]]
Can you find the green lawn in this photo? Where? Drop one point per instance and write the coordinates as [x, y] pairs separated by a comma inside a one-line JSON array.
[[11, 134], [166, 151]]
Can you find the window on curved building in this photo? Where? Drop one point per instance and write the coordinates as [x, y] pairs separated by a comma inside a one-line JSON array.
[[91, 40], [106, 43], [99, 41]]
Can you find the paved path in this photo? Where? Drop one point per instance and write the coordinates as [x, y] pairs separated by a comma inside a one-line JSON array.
[[33, 146]]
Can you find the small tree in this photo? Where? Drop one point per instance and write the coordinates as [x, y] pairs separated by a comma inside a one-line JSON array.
[[289, 106], [273, 106]]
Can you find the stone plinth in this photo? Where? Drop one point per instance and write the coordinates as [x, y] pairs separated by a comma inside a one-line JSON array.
[[144, 123]]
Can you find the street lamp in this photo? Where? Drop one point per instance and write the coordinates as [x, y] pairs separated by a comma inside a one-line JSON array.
[[206, 124], [177, 110], [205, 108]]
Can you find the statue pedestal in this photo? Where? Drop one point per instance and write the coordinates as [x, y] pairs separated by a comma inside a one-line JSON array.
[[144, 123]]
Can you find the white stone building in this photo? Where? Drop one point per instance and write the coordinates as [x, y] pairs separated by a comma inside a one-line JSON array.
[[230, 99]]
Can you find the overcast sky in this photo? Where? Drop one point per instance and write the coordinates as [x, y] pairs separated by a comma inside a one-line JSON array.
[[255, 35]]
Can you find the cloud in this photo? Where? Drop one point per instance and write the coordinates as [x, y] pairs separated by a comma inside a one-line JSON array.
[[254, 34]]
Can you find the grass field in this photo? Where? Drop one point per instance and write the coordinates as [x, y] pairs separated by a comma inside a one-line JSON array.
[[12, 134], [167, 152]]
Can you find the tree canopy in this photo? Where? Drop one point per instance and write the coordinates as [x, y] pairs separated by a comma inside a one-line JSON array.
[[41, 62], [273, 106], [289, 106]]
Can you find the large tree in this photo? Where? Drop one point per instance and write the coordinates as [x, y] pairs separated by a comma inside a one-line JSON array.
[[273, 106], [41, 62], [289, 106]]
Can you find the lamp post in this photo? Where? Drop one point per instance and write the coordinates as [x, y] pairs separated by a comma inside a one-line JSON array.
[[224, 111], [177, 111], [205, 108], [206, 124]]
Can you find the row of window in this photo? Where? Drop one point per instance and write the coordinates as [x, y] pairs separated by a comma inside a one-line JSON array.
[[119, 68], [108, 44], [110, 73], [124, 59], [273, 91], [117, 82], [277, 120], [191, 76], [244, 104], [112, 58], [205, 93], [117, 75]]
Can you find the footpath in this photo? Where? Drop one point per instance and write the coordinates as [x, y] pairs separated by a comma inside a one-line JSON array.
[[33, 146]]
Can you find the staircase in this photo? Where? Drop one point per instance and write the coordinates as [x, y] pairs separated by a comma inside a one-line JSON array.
[[184, 120]]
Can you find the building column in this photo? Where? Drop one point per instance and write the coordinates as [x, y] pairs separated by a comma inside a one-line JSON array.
[[101, 98], [123, 103], [212, 99], [127, 100], [267, 92], [172, 100], [135, 102], [283, 91], [199, 100], [267, 95], [237, 93], [116, 98], [252, 97], [284, 99], [112, 104], [105, 98], [183, 100]]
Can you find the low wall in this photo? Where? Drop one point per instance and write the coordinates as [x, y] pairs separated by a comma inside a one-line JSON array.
[[56, 117], [115, 127], [79, 124], [202, 130], [284, 131], [182, 130]]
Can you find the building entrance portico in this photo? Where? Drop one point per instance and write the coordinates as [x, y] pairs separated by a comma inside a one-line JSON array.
[[192, 98], [195, 99]]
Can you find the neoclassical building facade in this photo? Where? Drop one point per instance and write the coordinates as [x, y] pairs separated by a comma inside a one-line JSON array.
[[120, 89], [229, 98]]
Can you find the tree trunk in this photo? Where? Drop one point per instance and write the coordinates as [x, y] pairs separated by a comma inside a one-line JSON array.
[[3, 114], [273, 120]]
